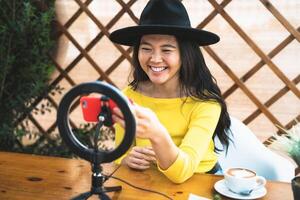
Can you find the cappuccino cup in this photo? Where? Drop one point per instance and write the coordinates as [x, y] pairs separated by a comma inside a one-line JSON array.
[[242, 180]]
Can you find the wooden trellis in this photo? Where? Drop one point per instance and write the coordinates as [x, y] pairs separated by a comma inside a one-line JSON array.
[[239, 81]]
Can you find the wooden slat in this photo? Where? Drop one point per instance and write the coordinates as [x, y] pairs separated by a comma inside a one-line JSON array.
[[117, 62], [281, 19], [53, 126], [91, 44], [259, 65], [212, 15], [130, 13], [293, 122], [61, 71], [37, 125], [74, 17], [257, 50], [86, 55], [102, 28], [288, 126], [242, 86], [271, 101]]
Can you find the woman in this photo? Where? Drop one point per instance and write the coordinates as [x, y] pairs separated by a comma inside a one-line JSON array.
[[178, 106]]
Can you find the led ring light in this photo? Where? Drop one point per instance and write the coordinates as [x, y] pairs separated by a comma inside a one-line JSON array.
[[68, 136]]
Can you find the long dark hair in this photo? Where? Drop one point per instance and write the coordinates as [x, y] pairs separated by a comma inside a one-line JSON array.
[[196, 81]]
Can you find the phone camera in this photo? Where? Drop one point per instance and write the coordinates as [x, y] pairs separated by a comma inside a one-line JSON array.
[[84, 104]]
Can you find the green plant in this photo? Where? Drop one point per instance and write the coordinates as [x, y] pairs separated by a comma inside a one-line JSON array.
[[289, 142], [26, 30], [217, 197], [25, 42]]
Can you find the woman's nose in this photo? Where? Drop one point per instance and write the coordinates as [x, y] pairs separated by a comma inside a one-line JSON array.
[[156, 57]]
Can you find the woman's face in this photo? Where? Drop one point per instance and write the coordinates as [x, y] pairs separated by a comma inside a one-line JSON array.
[[159, 57]]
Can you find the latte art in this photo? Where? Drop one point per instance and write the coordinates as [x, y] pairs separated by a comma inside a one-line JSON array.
[[241, 173]]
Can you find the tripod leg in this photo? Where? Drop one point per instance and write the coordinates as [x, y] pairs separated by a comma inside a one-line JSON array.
[[82, 196], [112, 189], [103, 196]]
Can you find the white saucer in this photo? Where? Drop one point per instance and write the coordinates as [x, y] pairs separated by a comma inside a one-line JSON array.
[[222, 189]]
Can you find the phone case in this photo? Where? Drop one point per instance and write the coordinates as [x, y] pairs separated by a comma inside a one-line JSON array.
[[91, 107]]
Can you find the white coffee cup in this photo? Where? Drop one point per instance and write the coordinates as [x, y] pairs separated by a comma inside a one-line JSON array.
[[242, 180]]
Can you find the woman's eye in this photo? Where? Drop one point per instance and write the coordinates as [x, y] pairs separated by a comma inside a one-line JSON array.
[[146, 49], [166, 50]]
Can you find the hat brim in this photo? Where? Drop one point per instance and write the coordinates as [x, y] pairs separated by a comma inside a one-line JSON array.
[[130, 35]]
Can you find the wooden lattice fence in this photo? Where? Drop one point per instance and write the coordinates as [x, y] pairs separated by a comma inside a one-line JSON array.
[[256, 63]]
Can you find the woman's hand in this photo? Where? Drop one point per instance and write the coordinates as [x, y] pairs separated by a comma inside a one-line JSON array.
[[140, 158], [148, 125]]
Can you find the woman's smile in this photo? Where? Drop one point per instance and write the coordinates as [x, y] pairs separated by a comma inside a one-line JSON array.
[[157, 69]]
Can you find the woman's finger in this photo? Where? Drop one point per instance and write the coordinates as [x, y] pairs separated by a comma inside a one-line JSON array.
[[117, 112], [118, 120], [141, 112], [144, 153], [136, 163], [138, 167], [136, 154], [144, 150], [139, 161], [149, 152]]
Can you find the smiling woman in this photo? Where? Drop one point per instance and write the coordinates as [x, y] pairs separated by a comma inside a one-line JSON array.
[[178, 105]]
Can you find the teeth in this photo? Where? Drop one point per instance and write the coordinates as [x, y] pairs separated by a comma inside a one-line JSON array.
[[157, 69]]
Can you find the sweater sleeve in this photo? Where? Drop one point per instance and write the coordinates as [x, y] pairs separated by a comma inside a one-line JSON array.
[[195, 144]]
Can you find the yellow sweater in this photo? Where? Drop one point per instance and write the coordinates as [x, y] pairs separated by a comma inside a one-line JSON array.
[[191, 126]]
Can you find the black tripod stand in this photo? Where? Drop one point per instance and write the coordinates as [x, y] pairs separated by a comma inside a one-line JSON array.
[[97, 185], [93, 155], [97, 177]]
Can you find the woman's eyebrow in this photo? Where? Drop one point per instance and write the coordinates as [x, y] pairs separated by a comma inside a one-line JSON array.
[[164, 45], [169, 46]]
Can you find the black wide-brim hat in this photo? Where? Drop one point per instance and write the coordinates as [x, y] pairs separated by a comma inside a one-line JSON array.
[[167, 17]]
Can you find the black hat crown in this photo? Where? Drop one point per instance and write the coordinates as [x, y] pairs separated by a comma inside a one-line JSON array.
[[167, 12]]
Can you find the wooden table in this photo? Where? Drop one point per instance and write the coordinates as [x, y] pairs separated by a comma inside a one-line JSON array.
[[39, 177]]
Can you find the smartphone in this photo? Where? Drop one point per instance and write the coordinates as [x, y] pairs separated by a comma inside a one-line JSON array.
[[91, 107]]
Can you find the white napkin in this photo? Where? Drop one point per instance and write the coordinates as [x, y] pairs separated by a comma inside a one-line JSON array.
[[196, 197]]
